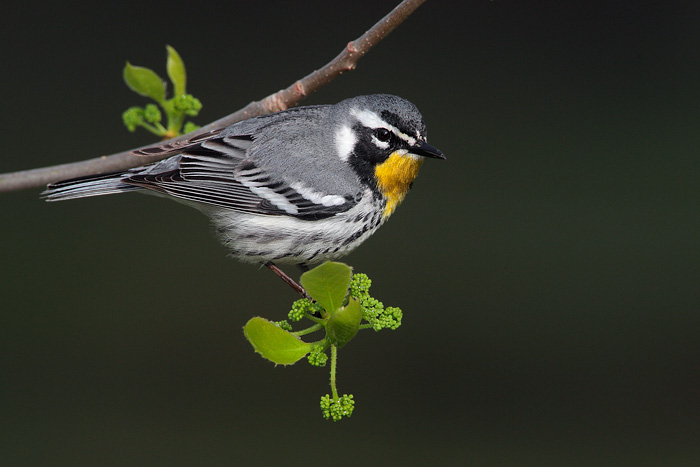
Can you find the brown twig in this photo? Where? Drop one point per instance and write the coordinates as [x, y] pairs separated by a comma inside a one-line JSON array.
[[286, 278], [289, 97]]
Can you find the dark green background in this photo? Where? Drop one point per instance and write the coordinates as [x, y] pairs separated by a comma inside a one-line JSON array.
[[548, 271]]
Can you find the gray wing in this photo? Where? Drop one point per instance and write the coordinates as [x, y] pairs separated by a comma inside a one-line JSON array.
[[300, 145], [220, 169]]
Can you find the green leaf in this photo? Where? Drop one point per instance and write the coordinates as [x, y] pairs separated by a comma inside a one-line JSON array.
[[145, 82], [343, 324], [274, 343], [328, 284], [176, 71]]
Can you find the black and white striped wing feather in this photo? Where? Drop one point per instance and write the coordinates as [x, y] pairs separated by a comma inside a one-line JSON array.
[[216, 172]]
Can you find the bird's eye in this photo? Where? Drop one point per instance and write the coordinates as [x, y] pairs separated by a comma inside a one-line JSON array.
[[382, 134]]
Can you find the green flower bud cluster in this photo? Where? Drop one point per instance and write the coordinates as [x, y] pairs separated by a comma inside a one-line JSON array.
[[373, 310], [147, 117], [187, 104], [318, 357], [337, 409], [299, 309], [284, 324], [302, 307]]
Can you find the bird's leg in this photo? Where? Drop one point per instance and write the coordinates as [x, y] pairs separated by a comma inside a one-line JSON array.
[[290, 282]]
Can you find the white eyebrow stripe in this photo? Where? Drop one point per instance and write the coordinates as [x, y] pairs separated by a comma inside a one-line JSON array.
[[409, 139], [372, 120]]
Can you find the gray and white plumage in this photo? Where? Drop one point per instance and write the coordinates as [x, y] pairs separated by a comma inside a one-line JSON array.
[[298, 186]]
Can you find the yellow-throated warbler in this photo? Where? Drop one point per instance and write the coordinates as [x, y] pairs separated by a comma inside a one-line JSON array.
[[299, 186]]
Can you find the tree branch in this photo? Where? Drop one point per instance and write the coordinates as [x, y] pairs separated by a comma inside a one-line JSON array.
[[281, 100]]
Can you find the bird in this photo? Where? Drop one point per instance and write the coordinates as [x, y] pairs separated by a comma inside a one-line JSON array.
[[300, 186]]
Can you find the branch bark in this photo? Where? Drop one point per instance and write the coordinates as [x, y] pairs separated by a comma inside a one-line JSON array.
[[281, 100]]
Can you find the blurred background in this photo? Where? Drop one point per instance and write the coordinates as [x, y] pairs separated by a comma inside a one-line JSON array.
[[548, 270]]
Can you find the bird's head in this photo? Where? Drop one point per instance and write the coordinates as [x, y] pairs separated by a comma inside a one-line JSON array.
[[383, 138]]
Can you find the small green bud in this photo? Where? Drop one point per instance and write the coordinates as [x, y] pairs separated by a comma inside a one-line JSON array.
[[336, 410], [390, 318], [190, 127], [318, 357], [299, 309], [325, 406], [187, 104], [359, 285], [152, 113], [371, 308], [133, 117], [284, 324]]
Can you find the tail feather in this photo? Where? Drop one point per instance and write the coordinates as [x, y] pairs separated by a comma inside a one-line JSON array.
[[83, 187]]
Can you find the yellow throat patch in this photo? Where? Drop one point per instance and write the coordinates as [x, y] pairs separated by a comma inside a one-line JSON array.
[[394, 178]]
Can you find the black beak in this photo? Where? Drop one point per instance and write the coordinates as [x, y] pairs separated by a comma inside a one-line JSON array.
[[421, 148]]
